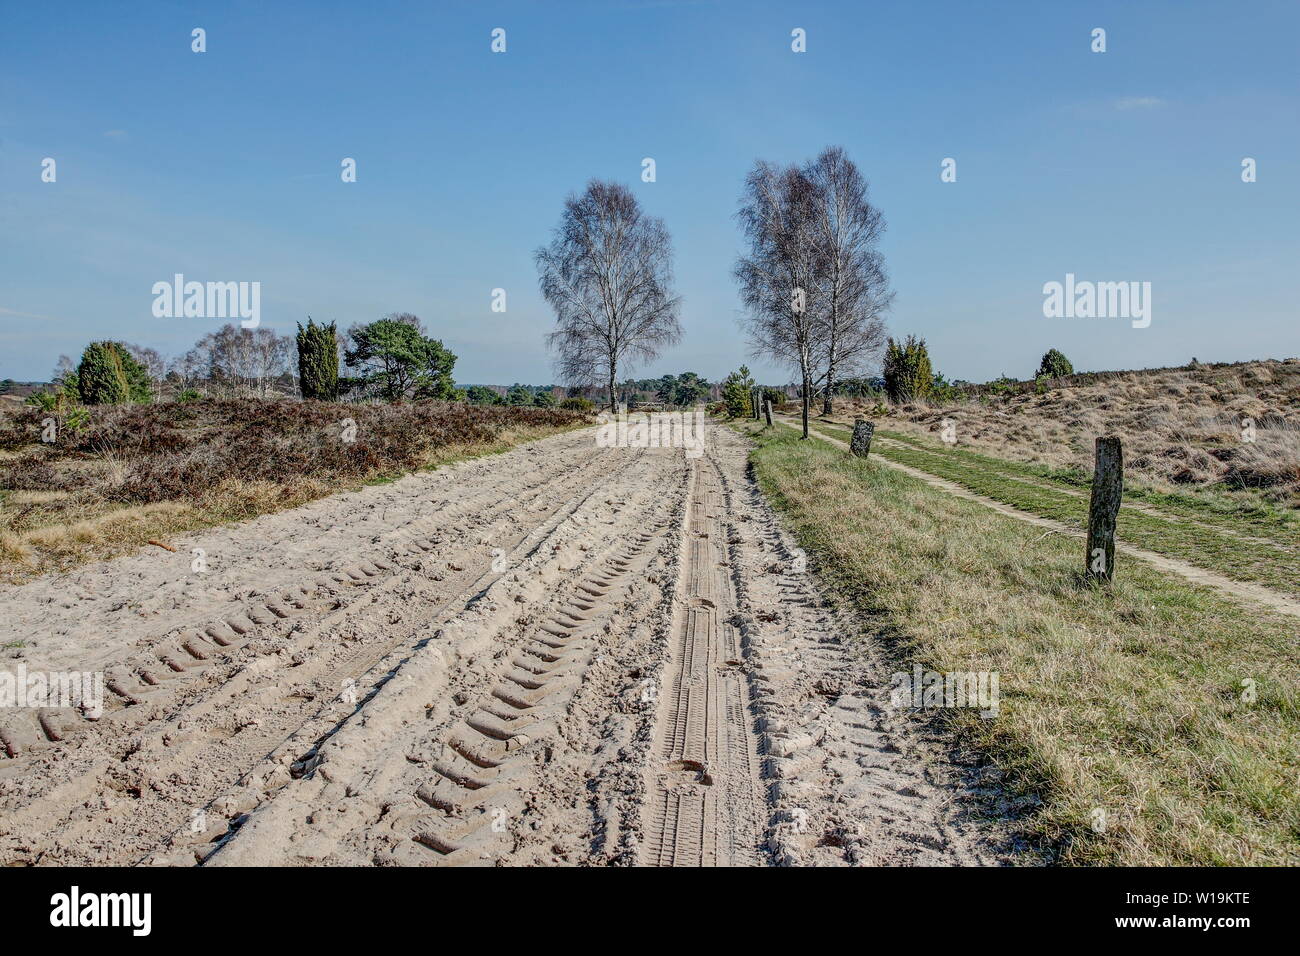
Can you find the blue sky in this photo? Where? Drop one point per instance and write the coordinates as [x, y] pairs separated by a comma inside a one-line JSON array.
[[225, 165]]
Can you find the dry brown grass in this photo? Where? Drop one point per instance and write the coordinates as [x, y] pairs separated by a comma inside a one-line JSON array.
[[1182, 428], [151, 472]]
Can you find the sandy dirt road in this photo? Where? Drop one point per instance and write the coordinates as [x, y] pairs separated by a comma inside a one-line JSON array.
[[561, 655]]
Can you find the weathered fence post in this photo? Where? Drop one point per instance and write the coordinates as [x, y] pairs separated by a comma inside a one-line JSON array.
[[860, 444], [1107, 491], [767, 407], [757, 407]]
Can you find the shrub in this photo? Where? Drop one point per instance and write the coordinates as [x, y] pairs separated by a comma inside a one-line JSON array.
[[1054, 365], [45, 400], [101, 376], [907, 371], [138, 386], [318, 361], [736, 390], [943, 391], [186, 451], [482, 395], [578, 404]]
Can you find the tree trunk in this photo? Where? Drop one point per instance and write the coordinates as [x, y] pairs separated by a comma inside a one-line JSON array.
[[806, 399], [830, 356], [613, 398]]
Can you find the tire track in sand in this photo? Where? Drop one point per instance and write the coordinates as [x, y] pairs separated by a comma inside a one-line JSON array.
[[112, 795], [706, 806], [444, 766]]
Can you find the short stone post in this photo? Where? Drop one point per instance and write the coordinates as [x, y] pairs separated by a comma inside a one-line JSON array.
[[860, 444], [767, 406]]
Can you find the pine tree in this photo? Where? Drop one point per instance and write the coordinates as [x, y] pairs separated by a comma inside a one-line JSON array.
[[735, 392]]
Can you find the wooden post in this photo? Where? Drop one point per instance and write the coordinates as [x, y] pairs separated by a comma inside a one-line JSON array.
[[767, 406], [1107, 491], [860, 444], [754, 402]]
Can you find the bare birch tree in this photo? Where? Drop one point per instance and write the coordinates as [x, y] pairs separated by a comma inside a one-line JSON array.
[[780, 276], [607, 273], [241, 361], [153, 363], [855, 288]]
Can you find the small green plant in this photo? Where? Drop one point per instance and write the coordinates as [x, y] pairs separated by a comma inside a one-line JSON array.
[[736, 390], [46, 401], [1002, 385], [77, 419], [942, 391], [577, 404]]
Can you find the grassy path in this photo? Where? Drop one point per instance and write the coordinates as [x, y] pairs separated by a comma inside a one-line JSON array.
[[1153, 722], [1264, 557]]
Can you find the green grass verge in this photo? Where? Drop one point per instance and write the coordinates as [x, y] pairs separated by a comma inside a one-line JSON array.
[[1129, 699], [1202, 542], [1233, 511]]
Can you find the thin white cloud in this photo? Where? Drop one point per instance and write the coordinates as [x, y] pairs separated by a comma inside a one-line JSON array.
[[1139, 103], [26, 315]]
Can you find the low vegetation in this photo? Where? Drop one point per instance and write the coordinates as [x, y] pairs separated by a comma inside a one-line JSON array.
[[1149, 723], [115, 476], [1260, 544], [1231, 429]]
